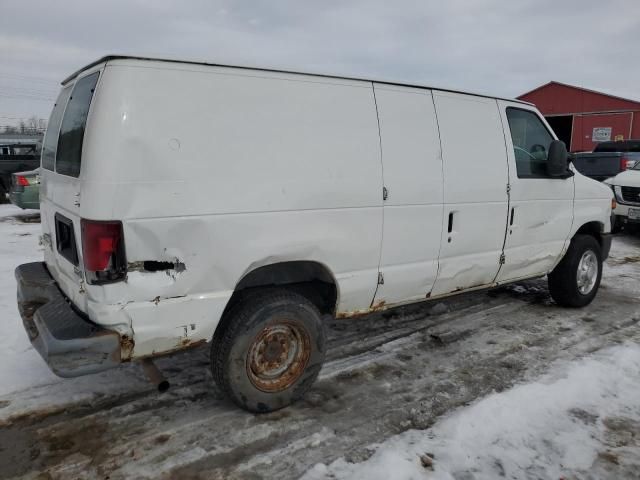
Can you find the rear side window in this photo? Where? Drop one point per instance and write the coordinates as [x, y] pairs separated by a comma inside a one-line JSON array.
[[68, 156], [531, 141], [50, 144]]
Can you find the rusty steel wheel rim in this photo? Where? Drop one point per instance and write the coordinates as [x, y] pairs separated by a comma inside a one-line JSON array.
[[278, 356]]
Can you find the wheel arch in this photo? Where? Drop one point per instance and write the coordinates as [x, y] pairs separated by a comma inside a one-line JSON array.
[[312, 279], [594, 228]]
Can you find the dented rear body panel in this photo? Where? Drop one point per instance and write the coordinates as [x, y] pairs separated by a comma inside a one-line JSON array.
[[214, 172]]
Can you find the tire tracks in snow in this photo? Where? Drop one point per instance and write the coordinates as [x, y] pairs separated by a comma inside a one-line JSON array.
[[385, 373]]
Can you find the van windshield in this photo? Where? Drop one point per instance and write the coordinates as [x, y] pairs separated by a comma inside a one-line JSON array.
[[68, 156]]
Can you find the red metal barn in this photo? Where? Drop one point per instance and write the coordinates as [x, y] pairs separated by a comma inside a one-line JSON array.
[[582, 117]]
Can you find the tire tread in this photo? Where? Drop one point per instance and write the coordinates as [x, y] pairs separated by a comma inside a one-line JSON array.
[[562, 280], [231, 324]]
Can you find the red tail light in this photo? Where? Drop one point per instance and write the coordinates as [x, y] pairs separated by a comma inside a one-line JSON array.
[[624, 163], [103, 251], [22, 181]]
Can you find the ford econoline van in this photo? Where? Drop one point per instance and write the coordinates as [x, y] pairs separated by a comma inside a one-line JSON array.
[[186, 203]]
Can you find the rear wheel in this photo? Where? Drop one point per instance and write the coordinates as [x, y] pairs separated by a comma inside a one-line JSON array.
[[269, 349], [575, 280]]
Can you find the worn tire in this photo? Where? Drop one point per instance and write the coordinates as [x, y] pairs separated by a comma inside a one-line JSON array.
[[271, 316], [563, 280]]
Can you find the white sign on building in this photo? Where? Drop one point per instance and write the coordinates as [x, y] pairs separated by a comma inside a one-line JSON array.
[[601, 134]]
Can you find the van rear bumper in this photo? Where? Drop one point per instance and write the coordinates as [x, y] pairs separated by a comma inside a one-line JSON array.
[[70, 344]]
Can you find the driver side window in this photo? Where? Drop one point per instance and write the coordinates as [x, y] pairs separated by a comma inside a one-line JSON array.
[[531, 142]]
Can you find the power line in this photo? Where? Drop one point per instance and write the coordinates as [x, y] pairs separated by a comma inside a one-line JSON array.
[[30, 97], [31, 93], [35, 89], [28, 78]]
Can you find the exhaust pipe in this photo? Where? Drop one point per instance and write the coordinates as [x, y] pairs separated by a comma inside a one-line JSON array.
[[154, 375]]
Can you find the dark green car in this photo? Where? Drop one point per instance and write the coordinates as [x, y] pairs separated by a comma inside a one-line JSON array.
[[25, 189]]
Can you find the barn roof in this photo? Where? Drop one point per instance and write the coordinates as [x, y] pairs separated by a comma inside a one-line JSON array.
[[597, 91]]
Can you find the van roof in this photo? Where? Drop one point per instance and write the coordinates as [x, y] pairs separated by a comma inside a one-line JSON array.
[[276, 70]]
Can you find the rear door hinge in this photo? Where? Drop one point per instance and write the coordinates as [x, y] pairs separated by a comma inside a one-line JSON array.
[[502, 259], [380, 278], [385, 193], [508, 188]]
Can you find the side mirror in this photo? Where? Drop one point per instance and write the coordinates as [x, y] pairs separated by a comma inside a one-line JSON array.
[[558, 160]]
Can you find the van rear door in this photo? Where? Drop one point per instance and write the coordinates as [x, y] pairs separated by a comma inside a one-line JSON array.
[[61, 181]]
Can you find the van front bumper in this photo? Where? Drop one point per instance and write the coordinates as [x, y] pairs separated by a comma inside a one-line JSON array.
[[70, 344]]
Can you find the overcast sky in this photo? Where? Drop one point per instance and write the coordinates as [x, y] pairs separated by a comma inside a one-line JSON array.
[[501, 47]]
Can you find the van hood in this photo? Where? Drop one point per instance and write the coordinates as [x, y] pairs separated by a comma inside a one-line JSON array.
[[628, 178]]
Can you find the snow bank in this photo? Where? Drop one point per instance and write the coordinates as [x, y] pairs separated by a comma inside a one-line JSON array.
[[539, 430], [27, 383], [20, 364]]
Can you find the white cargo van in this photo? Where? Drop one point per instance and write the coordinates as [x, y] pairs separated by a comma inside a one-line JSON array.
[[185, 203]]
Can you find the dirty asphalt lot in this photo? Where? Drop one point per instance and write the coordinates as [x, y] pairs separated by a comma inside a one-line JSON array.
[[385, 374]]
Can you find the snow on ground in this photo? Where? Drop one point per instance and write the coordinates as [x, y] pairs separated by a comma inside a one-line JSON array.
[[20, 365], [489, 383], [570, 422]]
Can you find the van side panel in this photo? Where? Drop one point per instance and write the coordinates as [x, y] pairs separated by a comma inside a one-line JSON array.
[[412, 166], [219, 171], [475, 191]]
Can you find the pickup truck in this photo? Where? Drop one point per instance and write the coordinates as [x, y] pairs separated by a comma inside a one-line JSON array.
[[608, 159], [626, 188], [16, 157]]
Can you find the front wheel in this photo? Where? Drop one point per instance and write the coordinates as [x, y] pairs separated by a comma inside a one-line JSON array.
[[269, 350], [575, 280]]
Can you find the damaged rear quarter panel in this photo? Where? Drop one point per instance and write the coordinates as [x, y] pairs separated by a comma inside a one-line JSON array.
[[218, 251]]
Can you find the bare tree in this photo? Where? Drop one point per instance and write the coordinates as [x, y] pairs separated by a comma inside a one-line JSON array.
[[32, 125]]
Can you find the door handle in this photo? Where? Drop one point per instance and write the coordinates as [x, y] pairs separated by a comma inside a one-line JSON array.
[[513, 211], [450, 227]]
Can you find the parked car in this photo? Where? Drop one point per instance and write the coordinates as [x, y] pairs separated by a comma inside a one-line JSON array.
[[626, 187], [608, 159], [25, 189], [16, 157], [250, 205]]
